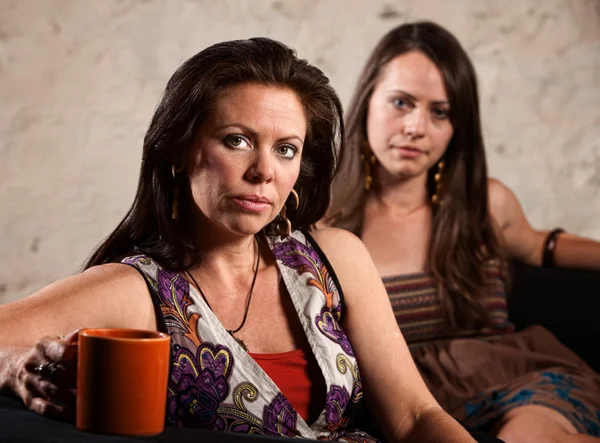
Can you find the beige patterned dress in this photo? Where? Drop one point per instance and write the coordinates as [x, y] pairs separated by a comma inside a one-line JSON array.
[[478, 375]]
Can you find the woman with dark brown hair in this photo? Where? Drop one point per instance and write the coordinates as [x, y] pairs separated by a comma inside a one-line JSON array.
[[413, 186], [215, 250]]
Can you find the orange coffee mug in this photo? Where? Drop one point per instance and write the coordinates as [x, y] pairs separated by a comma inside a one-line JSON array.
[[122, 379]]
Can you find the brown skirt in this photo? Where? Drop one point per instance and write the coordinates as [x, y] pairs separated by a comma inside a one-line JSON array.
[[477, 380]]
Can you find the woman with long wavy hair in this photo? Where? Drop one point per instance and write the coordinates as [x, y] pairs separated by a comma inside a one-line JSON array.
[[413, 186]]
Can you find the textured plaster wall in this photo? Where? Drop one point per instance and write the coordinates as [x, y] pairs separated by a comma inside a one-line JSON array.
[[79, 80]]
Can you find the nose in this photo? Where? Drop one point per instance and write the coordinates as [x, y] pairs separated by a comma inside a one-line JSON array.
[[261, 169], [415, 123]]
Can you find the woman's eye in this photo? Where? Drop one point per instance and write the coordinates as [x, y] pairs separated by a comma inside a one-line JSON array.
[[440, 114], [235, 141], [287, 151], [400, 103]]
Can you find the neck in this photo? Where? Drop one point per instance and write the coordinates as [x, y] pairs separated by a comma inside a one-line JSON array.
[[400, 195], [234, 255], [225, 257], [228, 270]]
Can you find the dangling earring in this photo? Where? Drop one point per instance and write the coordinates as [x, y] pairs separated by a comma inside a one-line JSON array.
[[284, 225], [437, 178], [295, 194], [286, 229], [368, 160], [175, 203]]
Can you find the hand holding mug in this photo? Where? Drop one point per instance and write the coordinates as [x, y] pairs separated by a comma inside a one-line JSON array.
[[45, 377]]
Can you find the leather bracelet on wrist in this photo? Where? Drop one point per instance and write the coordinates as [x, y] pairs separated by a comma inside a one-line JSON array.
[[549, 246]]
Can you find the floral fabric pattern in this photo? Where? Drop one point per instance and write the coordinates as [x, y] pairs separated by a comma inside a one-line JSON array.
[[280, 417], [329, 326], [201, 385], [335, 405], [304, 260], [214, 384]]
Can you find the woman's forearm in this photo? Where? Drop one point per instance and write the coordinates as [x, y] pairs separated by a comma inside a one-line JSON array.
[[435, 425], [577, 252]]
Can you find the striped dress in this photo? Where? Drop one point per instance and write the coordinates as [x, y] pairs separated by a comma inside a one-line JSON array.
[[417, 307], [477, 375]]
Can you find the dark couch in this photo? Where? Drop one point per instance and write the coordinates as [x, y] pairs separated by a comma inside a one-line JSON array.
[[566, 301]]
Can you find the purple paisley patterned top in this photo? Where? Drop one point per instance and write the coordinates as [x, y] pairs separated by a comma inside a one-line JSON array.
[[216, 385]]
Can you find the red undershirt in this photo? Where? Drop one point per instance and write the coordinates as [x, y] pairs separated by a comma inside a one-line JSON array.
[[298, 376]]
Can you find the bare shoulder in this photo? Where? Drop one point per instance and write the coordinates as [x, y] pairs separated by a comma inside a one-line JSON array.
[[340, 245], [110, 295], [503, 203], [333, 236], [96, 279], [349, 258], [111, 279], [114, 272], [499, 194]]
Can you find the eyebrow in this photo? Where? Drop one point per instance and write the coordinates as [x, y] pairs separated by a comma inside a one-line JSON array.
[[254, 134], [412, 97]]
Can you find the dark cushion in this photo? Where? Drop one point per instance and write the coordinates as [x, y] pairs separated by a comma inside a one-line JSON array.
[[565, 301]]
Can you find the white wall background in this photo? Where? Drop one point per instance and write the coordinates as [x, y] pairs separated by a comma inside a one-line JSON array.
[[79, 80]]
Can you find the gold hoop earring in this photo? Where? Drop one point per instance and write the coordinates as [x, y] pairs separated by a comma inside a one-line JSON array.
[[437, 178], [175, 203], [368, 160], [296, 197]]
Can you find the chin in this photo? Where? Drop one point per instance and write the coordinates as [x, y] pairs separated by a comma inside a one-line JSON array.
[[247, 227], [405, 169], [408, 173]]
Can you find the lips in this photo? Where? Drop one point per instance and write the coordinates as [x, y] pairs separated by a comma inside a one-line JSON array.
[[256, 204], [407, 152], [408, 148], [253, 198]]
